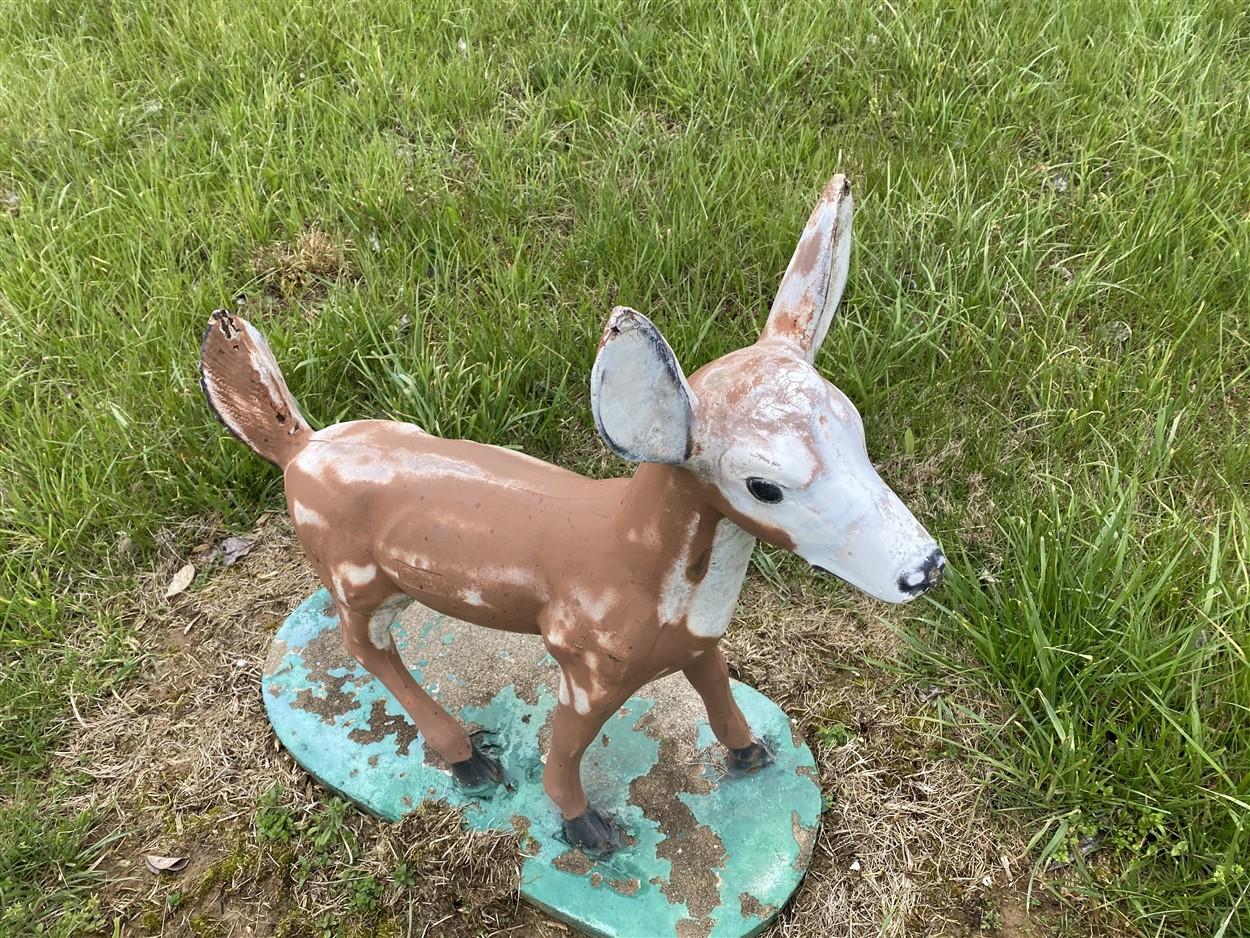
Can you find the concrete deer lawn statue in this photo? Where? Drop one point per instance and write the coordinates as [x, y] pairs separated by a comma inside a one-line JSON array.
[[626, 580]]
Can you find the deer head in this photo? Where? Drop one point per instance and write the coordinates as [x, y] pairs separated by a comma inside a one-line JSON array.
[[777, 448]]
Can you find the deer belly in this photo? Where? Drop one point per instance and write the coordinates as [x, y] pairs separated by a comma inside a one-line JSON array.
[[498, 597]]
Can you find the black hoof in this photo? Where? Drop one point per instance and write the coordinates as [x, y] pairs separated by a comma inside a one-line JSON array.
[[591, 832], [749, 759], [478, 773]]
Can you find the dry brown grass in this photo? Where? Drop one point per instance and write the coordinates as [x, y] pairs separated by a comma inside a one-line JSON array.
[[906, 838], [307, 264], [181, 758]]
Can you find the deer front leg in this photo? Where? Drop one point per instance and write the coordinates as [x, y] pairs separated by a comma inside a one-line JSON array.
[[709, 675], [367, 638], [578, 718]]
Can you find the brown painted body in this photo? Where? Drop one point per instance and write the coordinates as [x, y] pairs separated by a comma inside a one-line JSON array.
[[626, 580], [505, 541], [525, 544]]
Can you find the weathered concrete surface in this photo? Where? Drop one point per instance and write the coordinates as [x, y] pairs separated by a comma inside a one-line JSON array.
[[705, 854]]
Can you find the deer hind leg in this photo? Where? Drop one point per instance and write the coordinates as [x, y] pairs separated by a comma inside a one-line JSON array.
[[709, 676], [367, 637]]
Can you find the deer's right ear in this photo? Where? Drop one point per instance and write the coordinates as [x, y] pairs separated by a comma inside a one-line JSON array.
[[643, 407], [812, 286]]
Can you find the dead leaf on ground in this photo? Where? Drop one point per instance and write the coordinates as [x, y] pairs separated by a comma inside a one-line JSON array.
[[157, 864], [181, 580], [232, 550]]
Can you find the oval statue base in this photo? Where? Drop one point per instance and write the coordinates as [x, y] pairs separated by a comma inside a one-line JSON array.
[[704, 853]]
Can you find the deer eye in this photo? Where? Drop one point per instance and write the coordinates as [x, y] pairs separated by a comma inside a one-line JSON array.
[[764, 491]]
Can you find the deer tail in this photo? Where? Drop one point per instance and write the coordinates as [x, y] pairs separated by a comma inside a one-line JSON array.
[[246, 390]]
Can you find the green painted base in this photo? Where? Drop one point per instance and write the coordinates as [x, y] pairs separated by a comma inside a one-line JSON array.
[[706, 854]]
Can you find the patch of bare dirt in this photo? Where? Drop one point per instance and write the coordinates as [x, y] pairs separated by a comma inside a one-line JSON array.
[[183, 761]]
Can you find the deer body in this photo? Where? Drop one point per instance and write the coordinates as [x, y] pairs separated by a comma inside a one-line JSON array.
[[626, 580], [382, 508]]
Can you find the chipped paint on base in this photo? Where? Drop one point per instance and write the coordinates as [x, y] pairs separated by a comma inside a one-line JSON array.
[[346, 729]]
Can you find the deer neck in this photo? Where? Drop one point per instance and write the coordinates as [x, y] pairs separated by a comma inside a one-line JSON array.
[[663, 507], [696, 556]]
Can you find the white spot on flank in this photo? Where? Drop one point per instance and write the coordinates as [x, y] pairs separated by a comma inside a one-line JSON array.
[[515, 576], [648, 536], [473, 598], [307, 516], [358, 575]]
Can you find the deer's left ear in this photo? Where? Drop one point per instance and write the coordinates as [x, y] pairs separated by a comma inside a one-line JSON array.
[[812, 286], [643, 407]]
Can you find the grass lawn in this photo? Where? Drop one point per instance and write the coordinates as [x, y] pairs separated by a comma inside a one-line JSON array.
[[430, 211]]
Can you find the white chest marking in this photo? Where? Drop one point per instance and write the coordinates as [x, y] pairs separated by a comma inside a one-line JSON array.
[[716, 595], [709, 604]]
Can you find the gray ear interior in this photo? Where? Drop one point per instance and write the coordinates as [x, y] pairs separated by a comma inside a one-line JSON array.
[[642, 405]]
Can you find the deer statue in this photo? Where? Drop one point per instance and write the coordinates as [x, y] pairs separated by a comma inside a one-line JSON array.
[[626, 580]]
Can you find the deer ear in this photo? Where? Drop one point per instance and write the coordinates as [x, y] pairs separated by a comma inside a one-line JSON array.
[[643, 407], [812, 286]]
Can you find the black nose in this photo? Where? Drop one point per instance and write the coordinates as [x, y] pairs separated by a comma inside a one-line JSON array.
[[923, 578]]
